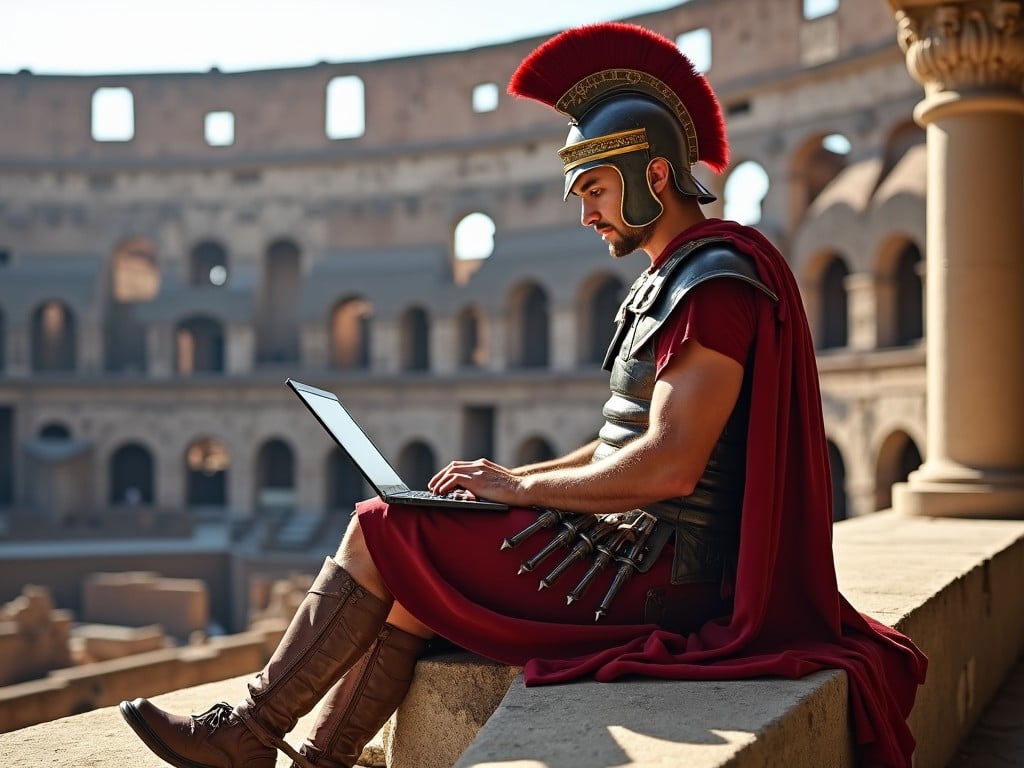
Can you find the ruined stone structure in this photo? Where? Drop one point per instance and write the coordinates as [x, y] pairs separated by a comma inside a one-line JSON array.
[[159, 282], [34, 636]]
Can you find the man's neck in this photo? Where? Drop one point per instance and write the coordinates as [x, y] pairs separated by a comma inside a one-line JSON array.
[[669, 225]]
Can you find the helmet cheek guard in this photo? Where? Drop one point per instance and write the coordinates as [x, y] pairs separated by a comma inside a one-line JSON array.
[[627, 132]]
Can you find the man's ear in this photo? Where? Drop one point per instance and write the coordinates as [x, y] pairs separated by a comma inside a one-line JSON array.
[[659, 174]]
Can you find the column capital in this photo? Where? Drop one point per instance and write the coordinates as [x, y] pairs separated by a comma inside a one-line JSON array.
[[963, 45]]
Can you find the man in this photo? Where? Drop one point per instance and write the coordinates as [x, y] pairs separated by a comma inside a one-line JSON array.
[[708, 487]]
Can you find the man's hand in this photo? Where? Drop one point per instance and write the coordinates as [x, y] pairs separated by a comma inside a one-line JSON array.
[[481, 479]]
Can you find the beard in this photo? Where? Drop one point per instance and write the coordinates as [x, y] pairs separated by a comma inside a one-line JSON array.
[[628, 239]]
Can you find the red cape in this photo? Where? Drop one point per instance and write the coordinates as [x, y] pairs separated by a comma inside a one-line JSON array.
[[789, 618]]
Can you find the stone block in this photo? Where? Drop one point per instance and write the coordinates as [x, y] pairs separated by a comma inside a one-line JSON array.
[[451, 697]]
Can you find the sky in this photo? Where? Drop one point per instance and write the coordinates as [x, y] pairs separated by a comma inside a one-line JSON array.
[[117, 36]]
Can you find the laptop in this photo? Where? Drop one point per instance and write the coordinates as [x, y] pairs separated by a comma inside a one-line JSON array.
[[381, 476]]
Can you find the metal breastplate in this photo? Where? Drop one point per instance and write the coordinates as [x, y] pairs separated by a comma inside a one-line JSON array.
[[706, 522]]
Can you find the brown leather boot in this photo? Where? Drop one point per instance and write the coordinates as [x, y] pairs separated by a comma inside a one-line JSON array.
[[359, 705], [334, 626]]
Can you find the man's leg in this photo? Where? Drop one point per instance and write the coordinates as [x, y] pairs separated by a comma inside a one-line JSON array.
[[363, 700], [337, 622]]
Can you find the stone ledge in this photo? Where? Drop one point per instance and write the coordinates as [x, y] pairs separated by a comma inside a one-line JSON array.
[[953, 585]]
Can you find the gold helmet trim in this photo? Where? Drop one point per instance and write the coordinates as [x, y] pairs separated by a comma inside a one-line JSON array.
[[603, 146]]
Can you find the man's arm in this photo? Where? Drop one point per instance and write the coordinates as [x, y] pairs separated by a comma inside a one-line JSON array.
[[579, 457], [692, 401]]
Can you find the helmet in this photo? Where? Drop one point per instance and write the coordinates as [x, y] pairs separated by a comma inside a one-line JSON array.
[[631, 96], [627, 132]]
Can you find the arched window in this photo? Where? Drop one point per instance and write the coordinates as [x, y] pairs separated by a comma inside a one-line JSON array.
[[834, 313], [206, 471], [534, 450], [897, 458], [909, 297], [53, 338], [134, 278], [277, 325], [275, 476], [414, 332], [472, 338], [529, 333], [345, 483], [472, 244], [131, 475], [600, 303], [416, 464], [838, 469], [814, 164], [208, 265], [744, 192], [199, 346], [54, 430], [350, 334]]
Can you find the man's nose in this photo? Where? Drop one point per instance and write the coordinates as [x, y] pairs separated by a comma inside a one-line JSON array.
[[588, 215]]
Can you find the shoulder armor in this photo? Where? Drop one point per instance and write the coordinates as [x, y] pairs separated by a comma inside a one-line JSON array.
[[653, 297]]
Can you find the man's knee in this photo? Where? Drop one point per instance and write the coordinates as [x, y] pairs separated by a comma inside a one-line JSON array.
[[352, 542]]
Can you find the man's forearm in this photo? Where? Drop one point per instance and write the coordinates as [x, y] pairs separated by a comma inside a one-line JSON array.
[[581, 456]]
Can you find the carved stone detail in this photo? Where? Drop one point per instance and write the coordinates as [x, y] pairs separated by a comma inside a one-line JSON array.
[[969, 45]]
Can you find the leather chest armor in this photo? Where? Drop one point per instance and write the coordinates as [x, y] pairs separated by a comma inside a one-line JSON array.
[[706, 523]]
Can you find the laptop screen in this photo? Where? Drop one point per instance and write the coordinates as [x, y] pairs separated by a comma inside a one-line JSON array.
[[349, 436]]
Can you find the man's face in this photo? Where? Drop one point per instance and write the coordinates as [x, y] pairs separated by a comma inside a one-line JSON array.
[[600, 190]]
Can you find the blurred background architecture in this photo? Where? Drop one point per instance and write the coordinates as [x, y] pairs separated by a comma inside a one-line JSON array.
[[173, 246]]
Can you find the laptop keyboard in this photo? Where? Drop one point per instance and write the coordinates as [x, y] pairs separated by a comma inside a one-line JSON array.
[[427, 495]]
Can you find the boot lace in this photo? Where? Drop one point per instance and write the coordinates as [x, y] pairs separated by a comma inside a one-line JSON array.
[[216, 716]]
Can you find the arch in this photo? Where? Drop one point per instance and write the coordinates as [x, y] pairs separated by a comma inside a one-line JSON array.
[[898, 456], [414, 340], [472, 338], [54, 430], [909, 295], [207, 462], [599, 302], [529, 332], [350, 333], [208, 264], [534, 450], [417, 464], [813, 164], [902, 137], [277, 325], [53, 338], [131, 475], [345, 483], [745, 190], [837, 469], [199, 346], [275, 475], [834, 316], [472, 244], [134, 278]]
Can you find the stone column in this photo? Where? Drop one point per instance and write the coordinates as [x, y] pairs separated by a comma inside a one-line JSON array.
[[969, 56], [862, 311]]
